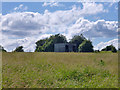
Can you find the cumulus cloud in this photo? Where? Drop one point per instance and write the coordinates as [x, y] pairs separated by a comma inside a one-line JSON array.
[[99, 28], [92, 8], [21, 7], [102, 45], [51, 4], [30, 23], [28, 43], [0, 28], [24, 25], [116, 7], [24, 28]]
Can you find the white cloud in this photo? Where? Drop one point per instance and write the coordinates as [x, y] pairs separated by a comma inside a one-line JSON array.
[[24, 28], [28, 43], [30, 23], [116, 7], [99, 28], [102, 45], [111, 4], [92, 8], [51, 4], [21, 7]]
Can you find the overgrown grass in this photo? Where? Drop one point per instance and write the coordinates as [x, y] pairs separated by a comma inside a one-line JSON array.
[[60, 70], [106, 52], [0, 70]]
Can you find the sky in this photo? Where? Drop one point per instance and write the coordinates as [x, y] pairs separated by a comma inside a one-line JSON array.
[[24, 23]]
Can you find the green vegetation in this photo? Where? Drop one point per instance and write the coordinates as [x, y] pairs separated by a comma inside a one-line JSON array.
[[19, 49], [2, 49], [109, 48], [77, 39], [60, 70], [0, 70], [86, 46], [47, 45], [82, 44]]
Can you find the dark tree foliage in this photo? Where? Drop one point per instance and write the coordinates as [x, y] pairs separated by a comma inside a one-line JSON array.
[[19, 49], [58, 38], [47, 45], [109, 48], [118, 49], [78, 39], [39, 45], [2, 49], [86, 46], [41, 42], [114, 50], [96, 51]]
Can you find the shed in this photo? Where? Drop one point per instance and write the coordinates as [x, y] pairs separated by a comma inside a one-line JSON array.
[[65, 47]]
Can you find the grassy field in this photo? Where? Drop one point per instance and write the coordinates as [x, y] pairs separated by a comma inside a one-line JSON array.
[[60, 70], [0, 70]]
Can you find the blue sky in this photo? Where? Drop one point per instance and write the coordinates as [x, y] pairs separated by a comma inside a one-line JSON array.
[[112, 14], [97, 14]]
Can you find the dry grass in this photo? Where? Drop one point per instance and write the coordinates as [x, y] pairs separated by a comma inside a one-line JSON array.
[[0, 70], [35, 70]]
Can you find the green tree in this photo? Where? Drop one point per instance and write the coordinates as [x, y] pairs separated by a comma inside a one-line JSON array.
[[86, 46], [109, 48], [19, 49], [41, 42], [39, 45], [47, 45], [77, 39], [58, 38], [2, 49], [39, 49], [114, 50]]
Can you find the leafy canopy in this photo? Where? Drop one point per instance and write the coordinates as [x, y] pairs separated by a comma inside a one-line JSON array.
[[19, 49], [86, 46], [77, 39], [109, 48], [47, 45], [2, 49]]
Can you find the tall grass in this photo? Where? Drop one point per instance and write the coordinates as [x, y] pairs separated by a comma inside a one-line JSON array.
[[0, 70], [60, 70]]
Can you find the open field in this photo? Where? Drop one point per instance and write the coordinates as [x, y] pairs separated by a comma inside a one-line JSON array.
[[60, 70], [0, 70]]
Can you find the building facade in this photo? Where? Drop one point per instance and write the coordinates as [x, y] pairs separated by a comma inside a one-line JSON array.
[[65, 47]]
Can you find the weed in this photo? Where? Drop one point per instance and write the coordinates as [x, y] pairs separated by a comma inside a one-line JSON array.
[[101, 63]]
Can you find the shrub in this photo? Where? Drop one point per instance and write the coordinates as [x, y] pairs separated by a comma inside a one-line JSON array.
[[86, 46], [96, 51], [19, 49], [109, 48]]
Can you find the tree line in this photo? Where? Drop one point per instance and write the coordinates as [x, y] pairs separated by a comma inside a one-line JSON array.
[[47, 44]]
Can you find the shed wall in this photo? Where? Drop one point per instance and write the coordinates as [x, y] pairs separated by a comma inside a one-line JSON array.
[[61, 47]]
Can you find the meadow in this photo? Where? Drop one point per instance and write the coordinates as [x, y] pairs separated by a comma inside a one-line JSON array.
[[59, 70], [0, 70]]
